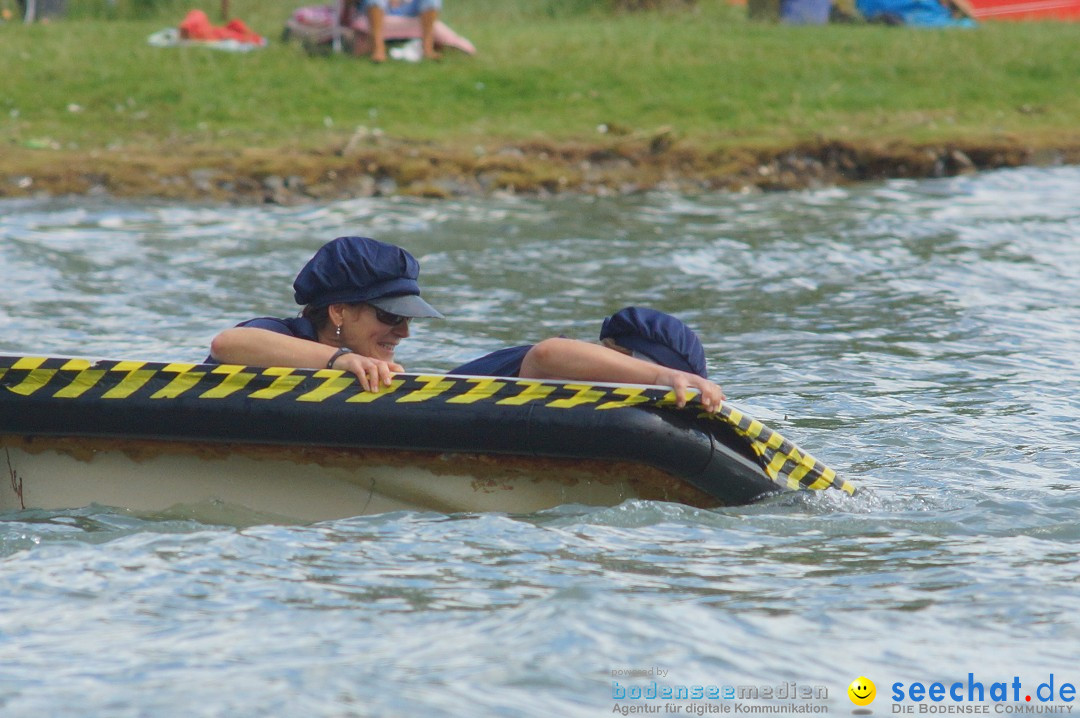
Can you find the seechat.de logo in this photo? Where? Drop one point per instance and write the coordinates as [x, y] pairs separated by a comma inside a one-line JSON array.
[[862, 691]]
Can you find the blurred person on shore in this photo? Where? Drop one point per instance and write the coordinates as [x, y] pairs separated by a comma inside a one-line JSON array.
[[377, 10]]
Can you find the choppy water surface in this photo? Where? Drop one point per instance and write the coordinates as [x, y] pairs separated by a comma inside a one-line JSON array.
[[920, 337]]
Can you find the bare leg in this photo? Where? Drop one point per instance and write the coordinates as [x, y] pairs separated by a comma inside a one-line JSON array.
[[375, 20], [427, 29]]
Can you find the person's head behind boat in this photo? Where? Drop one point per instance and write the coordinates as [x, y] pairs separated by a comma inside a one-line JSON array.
[[655, 336], [350, 270], [361, 293]]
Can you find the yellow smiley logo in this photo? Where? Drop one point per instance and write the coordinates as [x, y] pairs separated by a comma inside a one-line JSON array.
[[862, 691]]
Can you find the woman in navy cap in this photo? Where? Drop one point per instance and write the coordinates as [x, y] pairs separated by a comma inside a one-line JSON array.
[[358, 296], [650, 347]]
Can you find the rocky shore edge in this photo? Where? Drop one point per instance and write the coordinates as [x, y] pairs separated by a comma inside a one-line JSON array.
[[370, 164]]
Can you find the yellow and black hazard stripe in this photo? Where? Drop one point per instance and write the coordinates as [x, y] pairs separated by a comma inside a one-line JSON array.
[[84, 379], [785, 463], [155, 384]]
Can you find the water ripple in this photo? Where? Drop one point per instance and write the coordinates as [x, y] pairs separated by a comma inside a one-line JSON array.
[[919, 336]]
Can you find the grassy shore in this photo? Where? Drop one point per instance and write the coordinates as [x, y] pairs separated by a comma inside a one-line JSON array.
[[558, 98]]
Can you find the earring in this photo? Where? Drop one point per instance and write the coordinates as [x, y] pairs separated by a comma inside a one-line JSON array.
[[337, 333]]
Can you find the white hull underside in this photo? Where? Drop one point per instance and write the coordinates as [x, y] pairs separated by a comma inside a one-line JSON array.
[[301, 484]]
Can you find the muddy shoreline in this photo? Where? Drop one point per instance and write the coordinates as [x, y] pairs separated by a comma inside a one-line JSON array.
[[366, 166]]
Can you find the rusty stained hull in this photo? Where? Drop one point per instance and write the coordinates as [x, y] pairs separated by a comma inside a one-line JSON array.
[[303, 484]]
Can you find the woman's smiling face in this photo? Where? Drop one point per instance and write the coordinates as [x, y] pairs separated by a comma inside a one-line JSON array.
[[362, 332]]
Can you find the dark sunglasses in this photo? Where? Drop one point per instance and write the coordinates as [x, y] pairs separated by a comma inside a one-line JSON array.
[[388, 318]]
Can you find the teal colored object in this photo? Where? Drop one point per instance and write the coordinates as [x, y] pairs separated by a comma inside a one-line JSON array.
[[918, 13]]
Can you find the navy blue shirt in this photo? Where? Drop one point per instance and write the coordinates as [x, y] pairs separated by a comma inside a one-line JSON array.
[[299, 327], [505, 362]]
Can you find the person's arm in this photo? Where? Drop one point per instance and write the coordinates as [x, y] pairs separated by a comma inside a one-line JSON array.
[[561, 358], [262, 347]]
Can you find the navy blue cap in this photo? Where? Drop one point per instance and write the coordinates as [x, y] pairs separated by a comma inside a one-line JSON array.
[[358, 269], [661, 337]]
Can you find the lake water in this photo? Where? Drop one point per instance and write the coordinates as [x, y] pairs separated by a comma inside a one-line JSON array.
[[920, 337]]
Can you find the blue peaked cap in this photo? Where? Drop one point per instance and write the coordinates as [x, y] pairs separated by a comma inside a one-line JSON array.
[[358, 269], [659, 336]]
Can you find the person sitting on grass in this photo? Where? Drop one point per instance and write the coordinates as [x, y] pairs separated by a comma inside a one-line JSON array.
[[376, 10], [638, 346]]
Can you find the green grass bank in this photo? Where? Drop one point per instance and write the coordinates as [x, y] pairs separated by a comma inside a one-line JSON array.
[[562, 96]]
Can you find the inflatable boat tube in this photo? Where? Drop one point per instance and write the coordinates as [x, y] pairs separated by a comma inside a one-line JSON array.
[[297, 444]]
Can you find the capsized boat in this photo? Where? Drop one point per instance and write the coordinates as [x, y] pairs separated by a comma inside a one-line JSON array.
[[308, 445]]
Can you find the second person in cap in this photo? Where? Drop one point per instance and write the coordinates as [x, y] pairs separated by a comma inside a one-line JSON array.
[[638, 345]]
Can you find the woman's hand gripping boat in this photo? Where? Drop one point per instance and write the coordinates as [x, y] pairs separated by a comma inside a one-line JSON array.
[[308, 445]]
